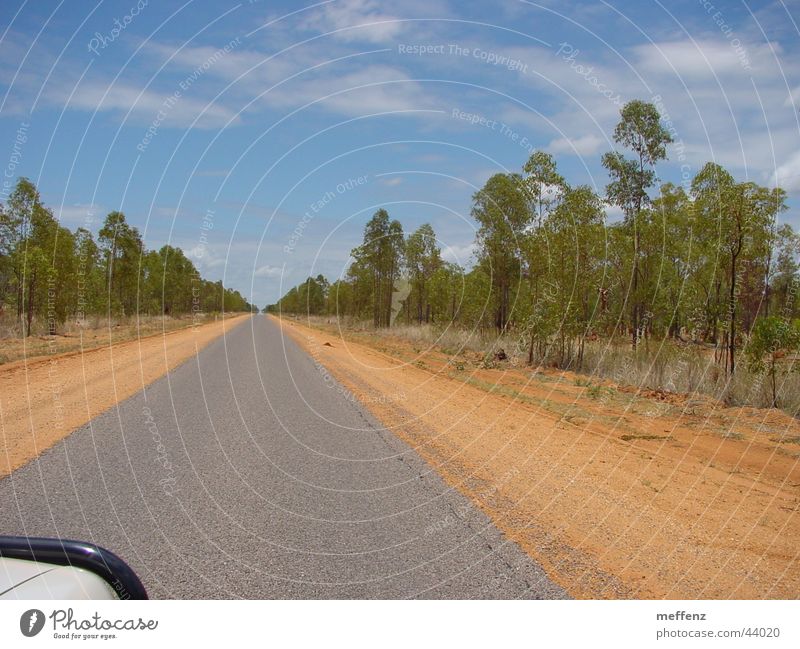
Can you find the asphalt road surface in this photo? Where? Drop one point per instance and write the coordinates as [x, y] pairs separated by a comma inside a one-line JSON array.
[[247, 472]]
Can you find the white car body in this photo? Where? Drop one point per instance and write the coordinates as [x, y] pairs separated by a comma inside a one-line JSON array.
[[20, 579]]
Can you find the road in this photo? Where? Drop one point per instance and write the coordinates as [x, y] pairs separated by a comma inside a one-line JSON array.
[[247, 472]]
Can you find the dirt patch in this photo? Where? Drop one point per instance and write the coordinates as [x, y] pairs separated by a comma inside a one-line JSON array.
[[614, 491], [76, 338], [42, 400]]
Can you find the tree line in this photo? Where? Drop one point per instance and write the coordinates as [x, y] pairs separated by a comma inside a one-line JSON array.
[[49, 274], [700, 262]]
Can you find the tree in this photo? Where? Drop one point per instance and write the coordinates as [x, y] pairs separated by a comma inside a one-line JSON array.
[[49, 274], [639, 130], [380, 257], [395, 252], [575, 230], [446, 294], [669, 259], [772, 341], [122, 249], [18, 216], [44, 265], [742, 214], [423, 259], [62, 265], [783, 274], [501, 209], [543, 184], [544, 188], [372, 254], [7, 241]]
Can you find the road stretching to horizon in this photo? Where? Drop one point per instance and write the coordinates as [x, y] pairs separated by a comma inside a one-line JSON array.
[[248, 472]]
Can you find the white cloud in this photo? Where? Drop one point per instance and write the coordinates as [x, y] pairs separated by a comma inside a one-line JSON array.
[[793, 97], [206, 257], [351, 20], [459, 254], [84, 215], [229, 65], [719, 110], [372, 89], [583, 145], [268, 271], [143, 104], [392, 181], [787, 175], [703, 58], [614, 213], [296, 78]]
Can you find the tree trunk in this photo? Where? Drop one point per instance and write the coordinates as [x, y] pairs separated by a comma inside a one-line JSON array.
[[774, 395], [29, 314], [635, 289], [732, 314], [530, 348], [20, 296]]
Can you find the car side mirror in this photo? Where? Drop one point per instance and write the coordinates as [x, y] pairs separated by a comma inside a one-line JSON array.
[[41, 568]]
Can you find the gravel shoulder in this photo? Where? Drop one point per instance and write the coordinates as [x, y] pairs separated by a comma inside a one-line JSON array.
[[615, 494]]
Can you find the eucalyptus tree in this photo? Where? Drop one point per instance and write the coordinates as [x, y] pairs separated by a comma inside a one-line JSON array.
[[7, 235], [122, 251], [446, 293], [671, 260], [17, 224], [773, 342], [371, 255], [355, 295], [423, 259], [639, 130], [88, 275], [501, 209], [395, 260], [49, 274], [575, 231], [741, 216], [544, 187], [380, 257], [40, 259], [784, 276], [543, 184], [60, 297]]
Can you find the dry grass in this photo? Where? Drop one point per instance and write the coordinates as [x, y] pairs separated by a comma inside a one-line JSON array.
[[664, 365], [89, 334]]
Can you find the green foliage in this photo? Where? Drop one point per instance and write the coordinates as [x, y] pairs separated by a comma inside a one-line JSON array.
[[640, 131], [310, 297], [772, 342], [423, 259], [740, 217], [377, 266], [503, 214], [51, 274], [702, 264]]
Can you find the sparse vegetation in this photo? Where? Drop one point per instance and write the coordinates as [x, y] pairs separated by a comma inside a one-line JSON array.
[[665, 299], [54, 281], [88, 334]]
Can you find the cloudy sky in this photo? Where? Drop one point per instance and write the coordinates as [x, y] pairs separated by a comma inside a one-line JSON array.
[[260, 136]]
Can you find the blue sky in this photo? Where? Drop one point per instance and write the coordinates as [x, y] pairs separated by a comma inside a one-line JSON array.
[[286, 125]]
